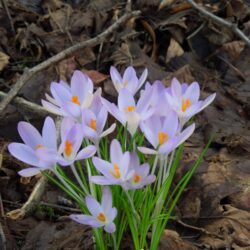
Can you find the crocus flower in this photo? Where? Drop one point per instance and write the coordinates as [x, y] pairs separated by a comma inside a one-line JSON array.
[[163, 135], [117, 171], [127, 111], [38, 150], [94, 120], [102, 214], [184, 100], [129, 80], [159, 100], [71, 143], [70, 100], [141, 175]]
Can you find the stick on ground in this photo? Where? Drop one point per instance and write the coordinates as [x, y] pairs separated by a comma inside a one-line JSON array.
[[221, 21], [28, 73]]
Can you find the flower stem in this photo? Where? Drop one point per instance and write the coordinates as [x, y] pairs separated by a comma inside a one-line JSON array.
[[114, 241], [155, 164], [133, 206], [72, 166]]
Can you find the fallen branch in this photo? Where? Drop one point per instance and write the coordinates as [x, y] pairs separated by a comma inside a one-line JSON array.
[[221, 21], [29, 107], [28, 73]]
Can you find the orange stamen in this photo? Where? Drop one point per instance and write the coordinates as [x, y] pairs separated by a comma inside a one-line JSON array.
[[130, 108], [75, 100], [68, 148], [116, 173], [39, 146], [101, 217], [185, 104], [92, 124], [162, 137], [137, 178]]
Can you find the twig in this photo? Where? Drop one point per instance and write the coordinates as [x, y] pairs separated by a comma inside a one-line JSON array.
[[36, 194], [199, 229], [221, 21], [28, 73], [27, 106]]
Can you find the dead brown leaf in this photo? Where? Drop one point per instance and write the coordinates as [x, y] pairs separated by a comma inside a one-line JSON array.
[[174, 50], [165, 3], [96, 76], [4, 60], [172, 240]]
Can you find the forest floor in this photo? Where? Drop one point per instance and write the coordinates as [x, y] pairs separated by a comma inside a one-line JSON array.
[[171, 39]]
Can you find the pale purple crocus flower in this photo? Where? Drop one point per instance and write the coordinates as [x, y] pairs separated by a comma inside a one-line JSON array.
[[129, 80], [94, 120], [141, 176], [115, 172], [163, 134], [158, 100], [70, 100], [38, 150], [102, 214], [128, 112], [184, 100], [71, 142]]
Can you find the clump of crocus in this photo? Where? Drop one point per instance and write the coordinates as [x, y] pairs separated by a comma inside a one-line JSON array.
[[102, 214], [143, 197]]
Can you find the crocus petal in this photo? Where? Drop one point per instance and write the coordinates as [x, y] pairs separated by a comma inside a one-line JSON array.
[[207, 101], [115, 151], [185, 134], [144, 101], [112, 213], [124, 163], [28, 172], [72, 109], [171, 124], [89, 132], [110, 228], [106, 199], [176, 88], [147, 151], [108, 131], [24, 153], [101, 165], [29, 134], [60, 93], [78, 81], [49, 133], [167, 147], [66, 124], [87, 152], [50, 99], [93, 206], [52, 108], [101, 119], [101, 180], [192, 92], [125, 99], [149, 134], [116, 78], [113, 110], [86, 220]]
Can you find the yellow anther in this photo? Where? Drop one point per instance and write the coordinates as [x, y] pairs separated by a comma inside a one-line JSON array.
[[101, 217], [75, 100], [92, 124], [116, 173], [162, 137], [185, 104], [68, 148]]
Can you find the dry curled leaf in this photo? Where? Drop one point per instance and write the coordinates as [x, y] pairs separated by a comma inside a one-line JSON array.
[[165, 3], [4, 60], [174, 50]]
